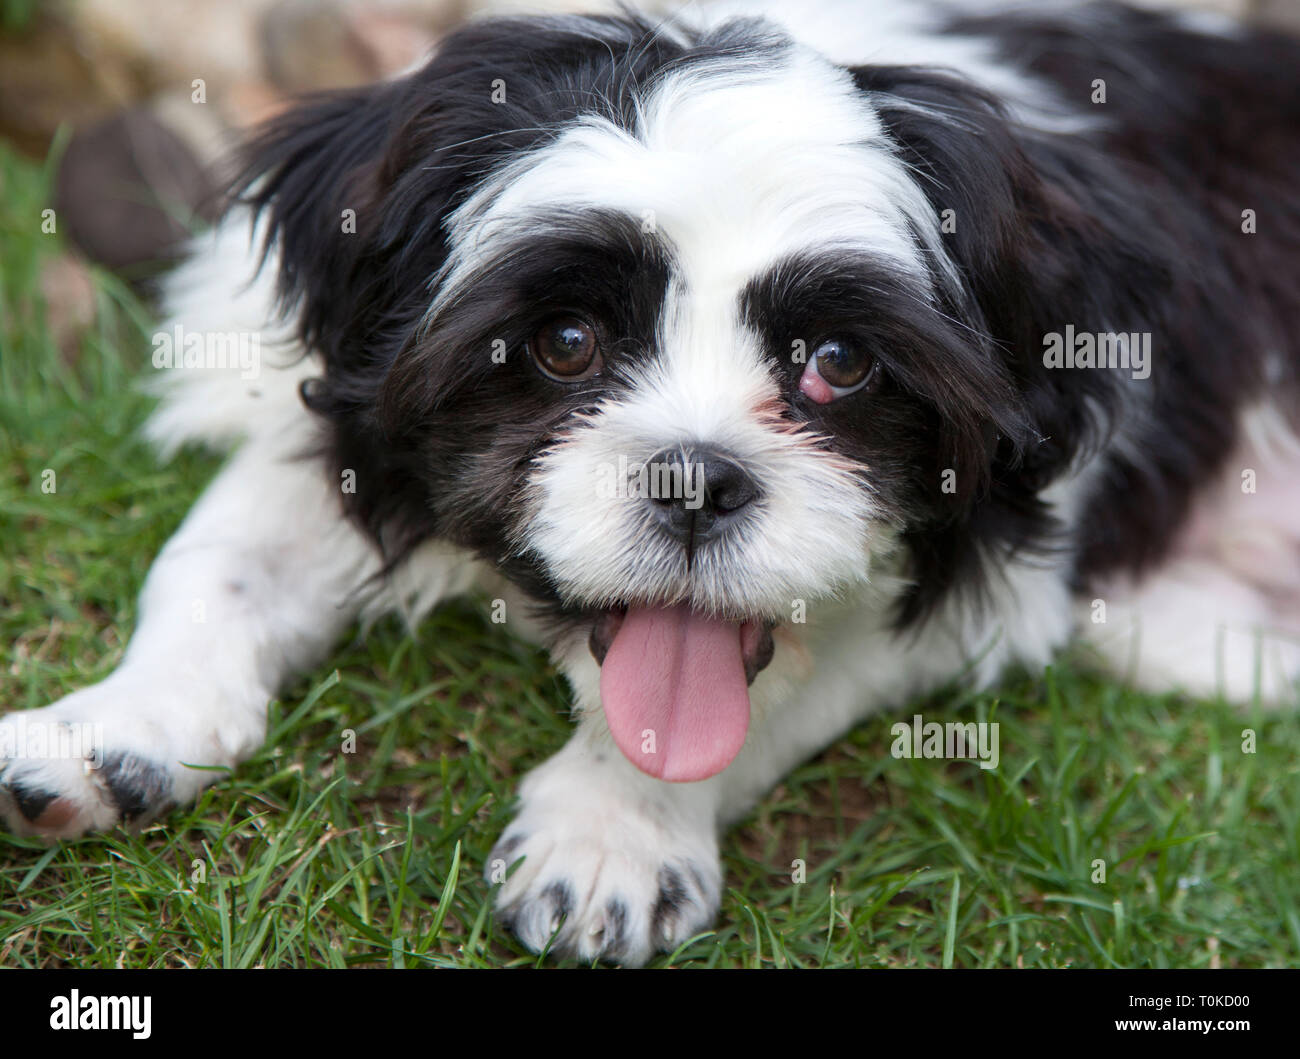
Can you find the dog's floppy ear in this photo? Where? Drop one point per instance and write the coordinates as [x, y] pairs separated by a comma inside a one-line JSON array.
[[311, 175], [956, 141], [1038, 239]]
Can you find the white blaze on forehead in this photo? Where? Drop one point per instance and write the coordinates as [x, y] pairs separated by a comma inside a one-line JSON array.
[[736, 163], [710, 374]]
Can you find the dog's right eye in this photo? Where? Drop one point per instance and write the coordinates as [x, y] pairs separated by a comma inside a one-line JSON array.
[[567, 349]]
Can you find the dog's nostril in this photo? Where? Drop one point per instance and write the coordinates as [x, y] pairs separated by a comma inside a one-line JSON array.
[[728, 486], [696, 492]]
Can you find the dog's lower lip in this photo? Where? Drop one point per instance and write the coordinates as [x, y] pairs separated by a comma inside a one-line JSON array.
[[756, 642], [603, 631], [757, 647]]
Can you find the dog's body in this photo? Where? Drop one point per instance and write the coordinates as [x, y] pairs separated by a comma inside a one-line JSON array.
[[837, 264]]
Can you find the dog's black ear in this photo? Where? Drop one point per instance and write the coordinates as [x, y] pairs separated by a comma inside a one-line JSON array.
[[1040, 239], [957, 142], [311, 175]]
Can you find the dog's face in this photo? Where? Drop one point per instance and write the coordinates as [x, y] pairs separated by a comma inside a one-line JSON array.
[[668, 329]]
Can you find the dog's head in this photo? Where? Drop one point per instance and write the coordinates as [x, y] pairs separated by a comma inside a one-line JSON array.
[[682, 331]]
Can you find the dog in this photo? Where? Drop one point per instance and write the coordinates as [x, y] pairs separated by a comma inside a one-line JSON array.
[[770, 364]]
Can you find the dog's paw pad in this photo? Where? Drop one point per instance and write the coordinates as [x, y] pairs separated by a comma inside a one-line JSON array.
[[65, 797], [676, 905], [138, 787], [598, 887], [32, 802]]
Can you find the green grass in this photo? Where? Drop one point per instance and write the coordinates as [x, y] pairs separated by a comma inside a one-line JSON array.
[[307, 856]]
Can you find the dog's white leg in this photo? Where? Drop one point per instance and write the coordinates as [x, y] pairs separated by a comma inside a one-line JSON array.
[[1201, 627], [260, 579], [262, 576]]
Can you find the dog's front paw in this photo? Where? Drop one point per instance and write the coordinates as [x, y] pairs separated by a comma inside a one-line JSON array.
[[604, 876], [115, 752], [73, 767]]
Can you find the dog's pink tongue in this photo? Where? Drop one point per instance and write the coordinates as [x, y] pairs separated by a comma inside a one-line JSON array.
[[676, 699]]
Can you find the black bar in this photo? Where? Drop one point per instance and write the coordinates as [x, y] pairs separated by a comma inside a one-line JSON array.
[[369, 1007]]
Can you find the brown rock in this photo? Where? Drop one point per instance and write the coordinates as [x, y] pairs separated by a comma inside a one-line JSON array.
[[310, 45], [128, 192], [391, 41], [176, 42]]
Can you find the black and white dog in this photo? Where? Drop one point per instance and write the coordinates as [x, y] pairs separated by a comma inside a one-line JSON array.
[[772, 369]]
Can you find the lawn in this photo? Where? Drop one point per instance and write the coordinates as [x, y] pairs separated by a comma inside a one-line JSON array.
[[307, 856]]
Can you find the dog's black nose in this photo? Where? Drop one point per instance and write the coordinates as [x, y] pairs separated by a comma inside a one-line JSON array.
[[697, 493]]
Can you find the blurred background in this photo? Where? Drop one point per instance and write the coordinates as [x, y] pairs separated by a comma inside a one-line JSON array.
[[129, 105]]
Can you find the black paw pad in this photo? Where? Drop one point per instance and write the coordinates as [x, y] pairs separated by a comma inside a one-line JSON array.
[[138, 787], [672, 896], [614, 938], [559, 895], [31, 801]]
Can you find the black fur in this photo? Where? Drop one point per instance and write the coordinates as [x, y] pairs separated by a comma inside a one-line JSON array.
[[1136, 226], [1195, 129], [942, 398], [140, 789], [31, 801], [615, 938], [673, 895]]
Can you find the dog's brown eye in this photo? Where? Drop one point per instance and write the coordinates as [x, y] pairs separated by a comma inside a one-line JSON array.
[[566, 348], [843, 365]]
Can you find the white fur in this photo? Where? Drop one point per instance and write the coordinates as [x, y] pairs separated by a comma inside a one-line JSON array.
[[703, 167]]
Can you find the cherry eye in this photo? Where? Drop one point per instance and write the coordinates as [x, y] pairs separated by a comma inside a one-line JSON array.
[[566, 348], [837, 368]]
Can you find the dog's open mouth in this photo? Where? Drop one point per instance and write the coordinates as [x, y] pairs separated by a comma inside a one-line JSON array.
[[675, 686]]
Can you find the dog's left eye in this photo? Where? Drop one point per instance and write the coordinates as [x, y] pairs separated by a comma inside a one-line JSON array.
[[567, 349], [837, 368]]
